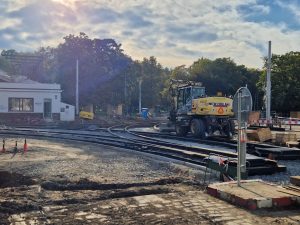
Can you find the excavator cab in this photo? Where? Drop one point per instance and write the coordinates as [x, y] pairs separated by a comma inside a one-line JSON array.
[[185, 97]]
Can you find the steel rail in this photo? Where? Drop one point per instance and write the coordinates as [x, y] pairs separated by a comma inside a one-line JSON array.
[[172, 153], [164, 149], [258, 149]]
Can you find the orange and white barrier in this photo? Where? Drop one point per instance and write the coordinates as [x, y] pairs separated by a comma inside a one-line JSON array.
[[279, 121]]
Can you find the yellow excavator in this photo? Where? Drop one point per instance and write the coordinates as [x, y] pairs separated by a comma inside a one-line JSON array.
[[197, 113], [87, 112]]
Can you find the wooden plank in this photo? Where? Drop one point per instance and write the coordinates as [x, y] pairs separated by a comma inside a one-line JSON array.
[[253, 117], [282, 138], [295, 180], [261, 134], [264, 134], [291, 144], [290, 192], [293, 188]]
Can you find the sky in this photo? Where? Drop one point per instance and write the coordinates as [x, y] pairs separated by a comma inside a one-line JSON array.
[[176, 32]]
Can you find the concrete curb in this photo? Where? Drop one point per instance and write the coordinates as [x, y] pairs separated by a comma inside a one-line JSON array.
[[252, 203]]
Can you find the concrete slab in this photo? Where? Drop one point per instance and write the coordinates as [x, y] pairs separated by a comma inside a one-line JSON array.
[[253, 194], [295, 180]]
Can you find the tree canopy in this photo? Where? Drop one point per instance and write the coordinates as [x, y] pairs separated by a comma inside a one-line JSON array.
[[224, 75], [219, 75], [99, 62], [285, 79], [108, 76]]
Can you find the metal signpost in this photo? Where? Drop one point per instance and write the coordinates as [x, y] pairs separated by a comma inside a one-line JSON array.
[[242, 106]]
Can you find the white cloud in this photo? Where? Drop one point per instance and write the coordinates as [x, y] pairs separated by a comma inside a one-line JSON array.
[[7, 22], [175, 32], [293, 7]]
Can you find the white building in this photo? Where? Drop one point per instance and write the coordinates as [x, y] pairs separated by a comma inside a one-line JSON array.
[[29, 102]]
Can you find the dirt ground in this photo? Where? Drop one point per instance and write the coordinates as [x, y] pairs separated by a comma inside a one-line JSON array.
[[77, 183]]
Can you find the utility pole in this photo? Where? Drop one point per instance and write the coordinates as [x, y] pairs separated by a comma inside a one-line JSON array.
[[77, 89], [140, 90], [140, 96], [268, 86], [125, 94]]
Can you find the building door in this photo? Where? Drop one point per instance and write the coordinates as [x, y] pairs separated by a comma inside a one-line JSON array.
[[47, 108]]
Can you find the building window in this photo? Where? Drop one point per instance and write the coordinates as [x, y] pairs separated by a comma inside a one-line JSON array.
[[20, 104]]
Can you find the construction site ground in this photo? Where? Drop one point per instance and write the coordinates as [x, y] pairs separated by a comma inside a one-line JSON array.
[[67, 182]]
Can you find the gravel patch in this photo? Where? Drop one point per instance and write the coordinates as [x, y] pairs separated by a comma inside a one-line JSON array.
[[293, 169]]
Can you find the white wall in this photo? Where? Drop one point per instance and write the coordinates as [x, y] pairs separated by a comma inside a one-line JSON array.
[[38, 92], [67, 112]]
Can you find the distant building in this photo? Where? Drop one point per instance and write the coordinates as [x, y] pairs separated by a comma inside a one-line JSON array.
[[32, 103]]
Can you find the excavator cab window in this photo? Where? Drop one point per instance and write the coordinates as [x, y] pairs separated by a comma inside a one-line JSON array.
[[198, 92], [187, 95], [180, 99], [184, 96]]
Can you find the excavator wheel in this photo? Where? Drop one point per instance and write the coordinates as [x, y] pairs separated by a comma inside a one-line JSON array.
[[181, 130], [198, 128]]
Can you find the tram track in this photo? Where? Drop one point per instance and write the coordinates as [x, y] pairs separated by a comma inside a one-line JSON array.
[[124, 138], [258, 149]]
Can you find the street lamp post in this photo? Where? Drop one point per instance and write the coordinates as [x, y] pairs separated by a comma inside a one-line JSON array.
[[125, 94], [268, 86], [140, 96], [77, 89]]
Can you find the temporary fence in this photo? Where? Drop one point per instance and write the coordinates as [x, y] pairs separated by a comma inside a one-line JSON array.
[[278, 121]]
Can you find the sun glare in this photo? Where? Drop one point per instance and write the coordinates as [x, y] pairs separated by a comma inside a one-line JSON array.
[[65, 2]]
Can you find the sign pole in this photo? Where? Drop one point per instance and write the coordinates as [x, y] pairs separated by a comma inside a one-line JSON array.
[[242, 105], [239, 141]]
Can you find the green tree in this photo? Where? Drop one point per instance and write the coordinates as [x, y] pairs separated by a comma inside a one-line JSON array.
[[224, 75], [219, 75], [178, 73], [153, 77], [48, 70], [100, 61], [285, 79], [29, 64]]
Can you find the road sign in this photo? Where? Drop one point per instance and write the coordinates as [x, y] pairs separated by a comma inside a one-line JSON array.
[[242, 106], [246, 103]]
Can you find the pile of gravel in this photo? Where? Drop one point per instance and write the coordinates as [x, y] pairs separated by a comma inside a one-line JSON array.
[[293, 169]]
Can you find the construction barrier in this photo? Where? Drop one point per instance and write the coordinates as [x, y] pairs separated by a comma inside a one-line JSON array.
[[25, 148], [261, 122], [16, 147], [291, 122], [277, 121], [3, 146]]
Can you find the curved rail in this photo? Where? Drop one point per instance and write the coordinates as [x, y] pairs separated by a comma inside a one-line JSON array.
[[258, 149], [186, 154]]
